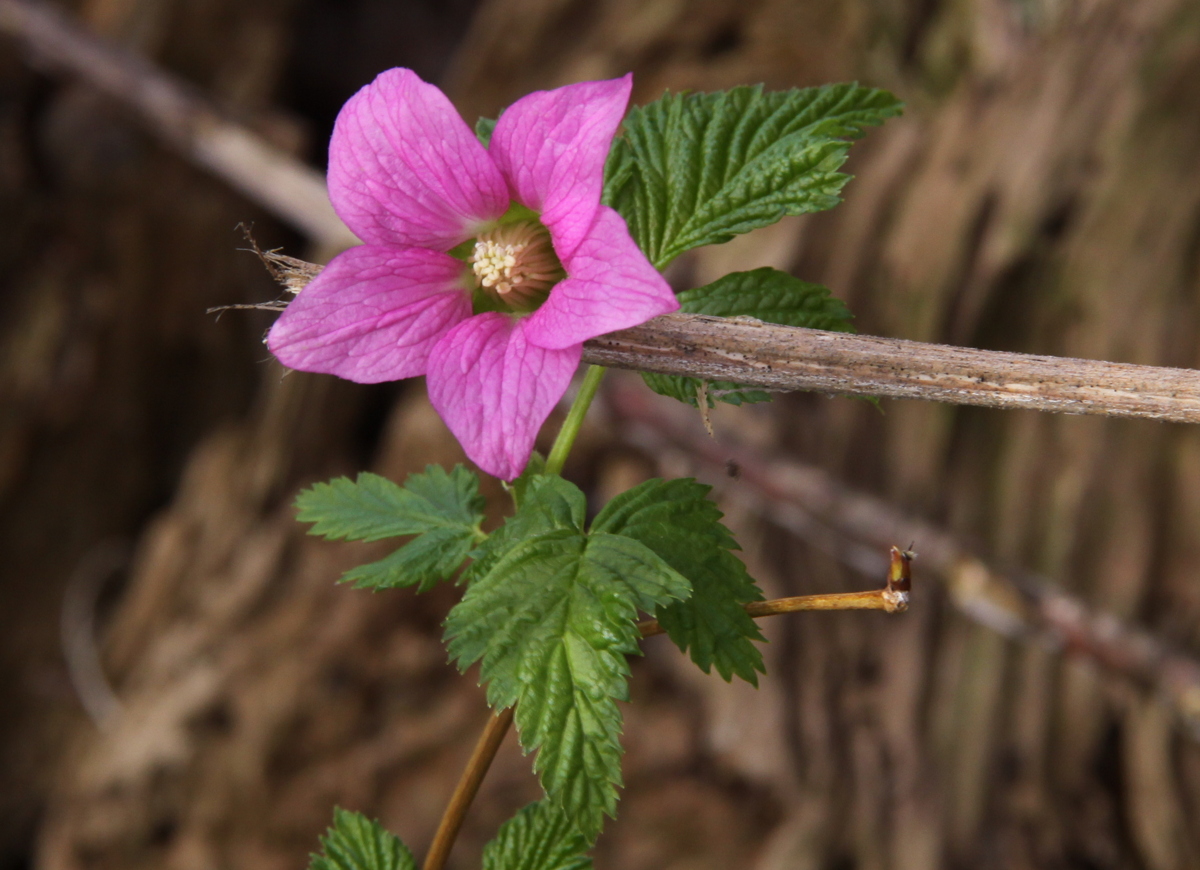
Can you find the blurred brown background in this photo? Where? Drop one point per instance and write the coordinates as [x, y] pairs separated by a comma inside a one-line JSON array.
[[1042, 194]]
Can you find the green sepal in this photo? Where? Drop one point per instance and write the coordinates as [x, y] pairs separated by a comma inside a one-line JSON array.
[[484, 128]]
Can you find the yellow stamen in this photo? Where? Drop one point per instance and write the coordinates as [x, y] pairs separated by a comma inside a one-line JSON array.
[[516, 264]]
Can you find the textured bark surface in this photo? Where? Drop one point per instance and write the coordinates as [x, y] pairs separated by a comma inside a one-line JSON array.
[[1041, 195], [789, 358]]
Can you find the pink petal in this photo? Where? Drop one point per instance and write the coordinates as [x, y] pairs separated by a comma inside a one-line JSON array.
[[372, 315], [551, 146], [404, 169], [495, 390], [610, 285]]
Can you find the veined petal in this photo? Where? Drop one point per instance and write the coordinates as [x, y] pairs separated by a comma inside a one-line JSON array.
[[372, 315], [610, 285], [551, 146], [495, 390], [404, 168]]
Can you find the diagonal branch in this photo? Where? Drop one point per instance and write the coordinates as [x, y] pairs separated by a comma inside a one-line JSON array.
[[183, 117]]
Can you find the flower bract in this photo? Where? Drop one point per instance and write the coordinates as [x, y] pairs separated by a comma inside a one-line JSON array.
[[484, 269]]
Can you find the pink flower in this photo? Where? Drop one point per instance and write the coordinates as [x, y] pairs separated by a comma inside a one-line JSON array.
[[496, 325]]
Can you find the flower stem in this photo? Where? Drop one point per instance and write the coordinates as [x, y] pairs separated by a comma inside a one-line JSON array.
[[570, 427], [468, 785]]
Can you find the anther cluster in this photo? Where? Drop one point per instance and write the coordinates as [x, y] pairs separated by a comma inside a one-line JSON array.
[[516, 264]]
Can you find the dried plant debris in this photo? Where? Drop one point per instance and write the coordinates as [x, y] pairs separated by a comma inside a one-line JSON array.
[[291, 273]]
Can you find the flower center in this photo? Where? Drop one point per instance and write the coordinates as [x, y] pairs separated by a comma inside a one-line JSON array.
[[515, 264]]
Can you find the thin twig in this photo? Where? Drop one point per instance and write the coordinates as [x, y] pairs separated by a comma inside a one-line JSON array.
[[893, 598], [774, 357], [852, 526], [184, 118], [873, 600]]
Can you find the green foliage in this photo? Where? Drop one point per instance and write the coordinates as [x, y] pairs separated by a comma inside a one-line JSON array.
[[535, 468], [548, 503], [550, 608], [539, 837], [676, 520], [765, 294], [444, 510], [484, 128], [357, 843], [698, 169], [550, 613]]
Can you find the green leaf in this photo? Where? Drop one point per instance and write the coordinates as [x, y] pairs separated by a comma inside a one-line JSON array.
[[551, 621], [678, 522], [357, 843], [484, 128], [443, 509], [536, 467], [373, 507], [539, 837], [422, 562], [548, 504], [698, 169], [765, 294]]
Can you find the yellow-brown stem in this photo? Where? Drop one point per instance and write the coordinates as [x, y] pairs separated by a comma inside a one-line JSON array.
[[468, 784], [877, 599]]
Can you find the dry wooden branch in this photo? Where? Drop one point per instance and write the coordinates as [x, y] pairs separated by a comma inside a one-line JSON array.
[[185, 119], [813, 505], [773, 357]]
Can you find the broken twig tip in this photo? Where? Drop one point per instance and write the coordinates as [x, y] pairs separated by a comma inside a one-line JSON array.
[[899, 581]]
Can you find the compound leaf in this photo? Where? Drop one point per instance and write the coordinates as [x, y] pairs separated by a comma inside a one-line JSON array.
[[551, 622], [676, 520], [698, 169]]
